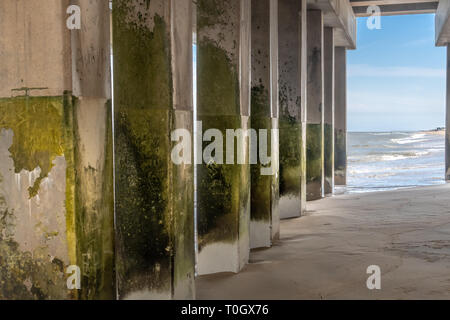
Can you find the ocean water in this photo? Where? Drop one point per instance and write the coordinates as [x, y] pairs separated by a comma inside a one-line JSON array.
[[389, 161]]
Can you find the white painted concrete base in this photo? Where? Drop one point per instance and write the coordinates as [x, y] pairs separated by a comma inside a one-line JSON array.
[[260, 234], [148, 295], [290, 207], [218, 257]]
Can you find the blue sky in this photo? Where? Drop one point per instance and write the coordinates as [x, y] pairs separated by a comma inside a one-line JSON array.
[[396, 77]]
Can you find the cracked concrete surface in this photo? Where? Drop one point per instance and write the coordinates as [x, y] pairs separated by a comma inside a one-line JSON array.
[[325, 254]]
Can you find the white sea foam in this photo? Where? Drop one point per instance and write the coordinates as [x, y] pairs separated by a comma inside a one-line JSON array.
[[418, 137], [388, 161]]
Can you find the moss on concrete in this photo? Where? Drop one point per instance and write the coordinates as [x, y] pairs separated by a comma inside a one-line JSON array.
[[142, 59], [217, 81], [94, 219], [44, 129], [314, 152], [153, 217], [290, 157], [340, 156], [142, 199], [219, 190], [328, 157], [340, 150], [38, 138], [27, 275], [222, 188], [40, 135], [183, 216], [261, 186], [211, 13]]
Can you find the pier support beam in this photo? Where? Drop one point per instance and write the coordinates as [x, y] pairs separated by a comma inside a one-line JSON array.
[[264, 116], [329, 61], [447, 122], [154, 186], [292, 80], [340, 147], [315, 106], [223, 105], [56, 174]]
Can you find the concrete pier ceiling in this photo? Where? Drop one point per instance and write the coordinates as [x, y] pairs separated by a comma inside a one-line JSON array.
[[133, 197], [395, 7]]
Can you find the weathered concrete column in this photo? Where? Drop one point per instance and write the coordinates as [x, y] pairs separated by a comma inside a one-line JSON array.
[[56, 174], [223, 105], [329, 61], [315, 112], [264, 116], [340, 115], [447, 122], [152, 42], [292, 66]]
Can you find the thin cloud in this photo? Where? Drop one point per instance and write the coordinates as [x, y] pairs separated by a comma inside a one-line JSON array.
[[419, 42], [363, 70], [388, 102]]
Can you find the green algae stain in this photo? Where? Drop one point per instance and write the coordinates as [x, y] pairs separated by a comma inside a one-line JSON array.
[[260, 102], [143, 121], [38, 139], [340, 153], [314, 150], [219, 190], [290, 157], [146, 60], [328, 151], [222, 188], [42, 132], [26, 275], [94, 219], [182, 179], [261, 186], [44, 128], [211, 13], [154, 219], [217, 81], [142, 212]]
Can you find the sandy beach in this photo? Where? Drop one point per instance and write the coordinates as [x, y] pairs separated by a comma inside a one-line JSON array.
[[440, 132], [325, 254]]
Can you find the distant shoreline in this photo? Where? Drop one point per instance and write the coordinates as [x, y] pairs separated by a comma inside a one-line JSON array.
[[437, 131]]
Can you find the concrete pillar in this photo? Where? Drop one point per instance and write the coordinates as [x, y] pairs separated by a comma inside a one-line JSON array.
[[292, 68], [264, 116], [329, 61], [153, 97], [223, 103], [447, 122], [56, 174], [315, 112], [340, 147]]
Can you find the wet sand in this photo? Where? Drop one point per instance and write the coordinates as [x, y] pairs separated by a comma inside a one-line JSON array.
[[325, 254]]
